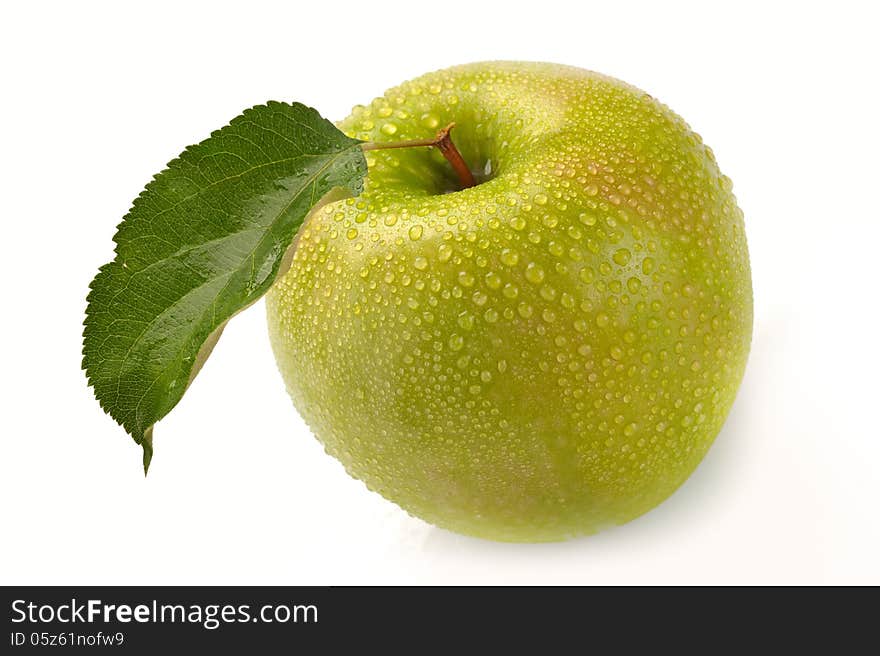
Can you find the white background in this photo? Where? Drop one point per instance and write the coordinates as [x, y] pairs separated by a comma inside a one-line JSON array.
[[97, 97]]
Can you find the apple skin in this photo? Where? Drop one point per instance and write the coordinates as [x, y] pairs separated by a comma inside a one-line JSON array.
[[543, 355]]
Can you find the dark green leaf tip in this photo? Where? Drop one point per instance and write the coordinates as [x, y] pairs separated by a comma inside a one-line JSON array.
[[147, 446]]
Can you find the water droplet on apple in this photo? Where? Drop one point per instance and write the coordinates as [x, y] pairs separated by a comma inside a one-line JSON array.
[[444, 252], [509, 257], [534, 273]]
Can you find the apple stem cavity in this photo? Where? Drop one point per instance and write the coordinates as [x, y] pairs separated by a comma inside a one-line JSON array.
[[442, 142]]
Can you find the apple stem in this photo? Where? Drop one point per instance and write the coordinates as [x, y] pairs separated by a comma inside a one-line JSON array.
[[443, 143]]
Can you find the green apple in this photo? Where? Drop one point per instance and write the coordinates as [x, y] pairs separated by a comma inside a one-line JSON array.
[[542, 355]]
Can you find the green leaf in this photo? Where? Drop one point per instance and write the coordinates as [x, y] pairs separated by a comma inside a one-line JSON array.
[[205, 239]]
